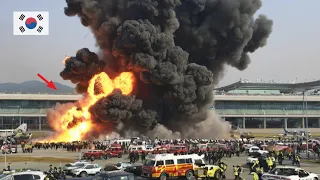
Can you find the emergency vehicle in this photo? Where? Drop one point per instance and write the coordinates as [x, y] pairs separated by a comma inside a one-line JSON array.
[[178, 149], [139, 148], [208, 172], [169, 165]]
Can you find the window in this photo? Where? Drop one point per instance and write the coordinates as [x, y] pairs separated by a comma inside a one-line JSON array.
[[159, 163], [130, 177], [189, 160], [89, 166], [198, 161], [79, 165], [284, 171], [303, 173], [149, 162], [23, 177], [36, 177], [169, 162], [181, 161]]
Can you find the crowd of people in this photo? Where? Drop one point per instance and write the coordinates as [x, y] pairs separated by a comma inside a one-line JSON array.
[[212, 156]]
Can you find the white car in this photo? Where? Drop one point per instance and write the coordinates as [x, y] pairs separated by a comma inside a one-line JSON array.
[[70, 166], [36, 175], [289, 172], [87, 169], [123, 165], [251, 160], [255, 149]]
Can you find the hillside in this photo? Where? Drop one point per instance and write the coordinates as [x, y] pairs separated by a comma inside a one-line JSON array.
[[34, 87]]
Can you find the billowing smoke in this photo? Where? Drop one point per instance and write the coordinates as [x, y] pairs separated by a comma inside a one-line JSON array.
[[177, 50]]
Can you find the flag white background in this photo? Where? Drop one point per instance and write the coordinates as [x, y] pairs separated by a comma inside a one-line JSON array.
[[42, 23]]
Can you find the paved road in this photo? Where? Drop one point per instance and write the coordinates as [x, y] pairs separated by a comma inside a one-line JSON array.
[[61, 153]]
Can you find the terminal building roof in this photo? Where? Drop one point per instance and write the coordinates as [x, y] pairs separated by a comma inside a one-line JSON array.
[[270, 88]]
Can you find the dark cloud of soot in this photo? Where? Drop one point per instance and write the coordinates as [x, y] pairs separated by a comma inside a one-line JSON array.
[[176, 48]]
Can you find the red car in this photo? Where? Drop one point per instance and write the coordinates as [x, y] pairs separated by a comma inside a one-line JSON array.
[[94, 154], [178, 149], [115, 150]]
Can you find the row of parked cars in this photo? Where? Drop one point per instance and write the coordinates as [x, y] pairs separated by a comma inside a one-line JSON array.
[[85, 169]]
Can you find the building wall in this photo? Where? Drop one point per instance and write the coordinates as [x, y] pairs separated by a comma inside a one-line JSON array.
[[252, 112]]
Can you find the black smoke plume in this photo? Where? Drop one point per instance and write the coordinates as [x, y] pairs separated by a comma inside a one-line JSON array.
[[177, 48]]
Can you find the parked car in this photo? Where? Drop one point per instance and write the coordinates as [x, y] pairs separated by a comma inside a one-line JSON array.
[[109, 175], [70, 166], [134, 169], [26, 175], [86, 170], [123, 165], [289, 172]]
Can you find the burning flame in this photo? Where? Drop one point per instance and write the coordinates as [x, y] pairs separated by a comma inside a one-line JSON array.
[[65, 59], [76, 122]]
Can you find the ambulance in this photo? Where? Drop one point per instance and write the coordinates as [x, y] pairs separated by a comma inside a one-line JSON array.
[[163, 166]]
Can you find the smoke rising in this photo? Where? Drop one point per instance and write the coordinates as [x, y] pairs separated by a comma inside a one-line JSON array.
[[176, 48]]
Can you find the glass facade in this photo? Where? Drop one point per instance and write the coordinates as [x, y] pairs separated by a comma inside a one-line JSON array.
[[29, 103], [34, 123], [275, 123], [252, 122], [265, 105], [313, 122], [294, 122], [235, 121]]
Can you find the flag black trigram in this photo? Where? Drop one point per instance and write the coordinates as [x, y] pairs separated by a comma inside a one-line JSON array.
[[21, 28], [22, 16], [39, 17], [40, 28]]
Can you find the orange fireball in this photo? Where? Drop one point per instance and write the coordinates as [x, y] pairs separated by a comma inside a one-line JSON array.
[[65, 59], [77, 122]]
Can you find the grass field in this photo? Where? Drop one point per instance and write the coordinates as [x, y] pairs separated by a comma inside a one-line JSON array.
[[40, 134]]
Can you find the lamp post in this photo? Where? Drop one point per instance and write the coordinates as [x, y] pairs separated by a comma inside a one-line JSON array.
[[305, 114], [307, 125]]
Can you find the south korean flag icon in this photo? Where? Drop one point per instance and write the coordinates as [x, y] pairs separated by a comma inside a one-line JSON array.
[[30, 23]]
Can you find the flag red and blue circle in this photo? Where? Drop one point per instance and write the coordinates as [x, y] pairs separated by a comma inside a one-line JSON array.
[[31, 23]]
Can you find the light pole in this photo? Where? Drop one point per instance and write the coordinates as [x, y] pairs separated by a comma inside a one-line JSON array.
[[305, 114], [307, 125]]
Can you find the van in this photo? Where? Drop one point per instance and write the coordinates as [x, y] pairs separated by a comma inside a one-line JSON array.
[[170, 165]]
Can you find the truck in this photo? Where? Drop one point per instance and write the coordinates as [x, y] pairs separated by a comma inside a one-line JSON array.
[[115, 150]]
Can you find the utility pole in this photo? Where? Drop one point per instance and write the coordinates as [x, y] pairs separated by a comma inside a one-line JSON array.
[[5, 154], [307, 126]]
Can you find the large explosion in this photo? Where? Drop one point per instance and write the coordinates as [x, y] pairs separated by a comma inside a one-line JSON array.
[[160, 60]]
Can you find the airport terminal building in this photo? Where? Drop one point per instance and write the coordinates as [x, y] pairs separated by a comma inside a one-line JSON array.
[[253, 106]]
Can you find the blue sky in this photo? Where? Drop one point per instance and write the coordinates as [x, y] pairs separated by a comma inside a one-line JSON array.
[[292, 50]]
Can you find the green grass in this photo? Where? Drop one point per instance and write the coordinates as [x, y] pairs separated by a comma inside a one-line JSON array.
[[39, 134]]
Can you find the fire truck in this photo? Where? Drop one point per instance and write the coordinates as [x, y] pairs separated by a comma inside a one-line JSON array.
[[115, 150], [169, 165], [178, 149]]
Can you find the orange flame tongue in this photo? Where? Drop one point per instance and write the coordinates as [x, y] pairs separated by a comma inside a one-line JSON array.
[[76, 122]]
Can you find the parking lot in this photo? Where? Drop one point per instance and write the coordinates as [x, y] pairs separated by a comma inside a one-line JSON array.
[[51, 153]]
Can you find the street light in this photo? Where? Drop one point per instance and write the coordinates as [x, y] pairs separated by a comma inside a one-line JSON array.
[[305, 114]]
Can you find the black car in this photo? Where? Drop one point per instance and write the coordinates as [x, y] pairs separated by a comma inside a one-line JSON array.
[[112, 175], [135, 169]]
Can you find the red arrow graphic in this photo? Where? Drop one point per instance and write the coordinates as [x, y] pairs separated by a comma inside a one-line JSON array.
[[49, 84]]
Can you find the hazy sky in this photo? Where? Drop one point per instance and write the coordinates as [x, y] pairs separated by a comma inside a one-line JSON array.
[[292, 50]]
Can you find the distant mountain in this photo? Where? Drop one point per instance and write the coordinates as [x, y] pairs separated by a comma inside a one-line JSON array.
[[35, 87]]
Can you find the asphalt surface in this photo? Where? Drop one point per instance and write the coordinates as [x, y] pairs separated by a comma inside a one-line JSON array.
[[315, 168]]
